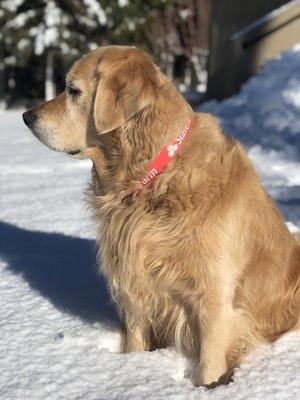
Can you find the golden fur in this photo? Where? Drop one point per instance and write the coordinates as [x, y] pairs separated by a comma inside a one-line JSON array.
[[201, 259]]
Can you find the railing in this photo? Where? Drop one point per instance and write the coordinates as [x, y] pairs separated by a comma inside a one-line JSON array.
[[244, 34]]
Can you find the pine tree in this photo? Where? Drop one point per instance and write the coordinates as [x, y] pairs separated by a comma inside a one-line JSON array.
[[40, 39], [8, 9], [54, 32]]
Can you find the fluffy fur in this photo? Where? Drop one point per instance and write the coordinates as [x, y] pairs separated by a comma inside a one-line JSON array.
[[200, 259]]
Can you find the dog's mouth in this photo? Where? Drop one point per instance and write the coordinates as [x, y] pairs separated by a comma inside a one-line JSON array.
[[45, 134], [73, 152]]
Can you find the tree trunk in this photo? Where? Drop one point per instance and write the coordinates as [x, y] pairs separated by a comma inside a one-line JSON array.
[[50, 90], [2, 79]]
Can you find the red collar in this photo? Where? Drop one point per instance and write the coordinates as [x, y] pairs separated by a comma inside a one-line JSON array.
[[162, 160]]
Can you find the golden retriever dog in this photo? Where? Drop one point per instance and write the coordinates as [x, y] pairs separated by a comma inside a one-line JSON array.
[[196, 255]]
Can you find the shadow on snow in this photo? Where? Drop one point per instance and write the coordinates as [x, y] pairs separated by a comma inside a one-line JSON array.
[[61, 268]]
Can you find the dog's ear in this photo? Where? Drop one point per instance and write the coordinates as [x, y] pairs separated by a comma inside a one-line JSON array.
[[107, 114], [126, 86]]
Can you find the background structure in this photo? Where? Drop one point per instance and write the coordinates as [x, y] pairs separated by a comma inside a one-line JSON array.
[[221, 42]]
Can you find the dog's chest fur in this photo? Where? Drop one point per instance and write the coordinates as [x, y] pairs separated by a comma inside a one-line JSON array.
[[139, 254], [143, 246]]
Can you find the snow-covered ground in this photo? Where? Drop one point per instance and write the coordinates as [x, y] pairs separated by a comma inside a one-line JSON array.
[[59, 331]]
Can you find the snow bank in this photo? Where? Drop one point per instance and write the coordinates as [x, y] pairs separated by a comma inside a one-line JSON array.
[[59, 331], [267, 110], [265, 117]]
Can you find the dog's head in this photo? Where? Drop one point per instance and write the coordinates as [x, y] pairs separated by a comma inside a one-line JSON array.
[[104, 90]]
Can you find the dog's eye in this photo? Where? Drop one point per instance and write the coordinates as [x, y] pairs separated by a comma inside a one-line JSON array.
[[73, 90]]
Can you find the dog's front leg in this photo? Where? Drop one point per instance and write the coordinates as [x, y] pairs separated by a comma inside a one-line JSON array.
[[134, 339], [215, 325]]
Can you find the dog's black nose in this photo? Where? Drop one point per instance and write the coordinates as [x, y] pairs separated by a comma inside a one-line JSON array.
[[29, 117]]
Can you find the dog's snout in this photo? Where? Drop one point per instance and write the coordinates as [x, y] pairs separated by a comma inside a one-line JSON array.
[[29, 117]]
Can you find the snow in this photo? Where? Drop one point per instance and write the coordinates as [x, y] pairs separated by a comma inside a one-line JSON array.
[[59, 334], [20, 20], [23, 43], [48, 29], [185, 13], [94, 9], [12, 60], [12, 5], [123, 3]]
